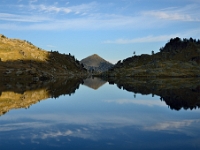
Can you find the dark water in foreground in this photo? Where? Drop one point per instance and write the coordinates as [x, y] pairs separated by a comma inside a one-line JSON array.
[[129, 114]]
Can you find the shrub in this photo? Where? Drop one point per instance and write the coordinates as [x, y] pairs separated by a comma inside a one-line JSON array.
[[3, 36]]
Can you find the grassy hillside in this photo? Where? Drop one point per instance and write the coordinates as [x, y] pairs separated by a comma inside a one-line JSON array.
[[95, 63], [21, 59], [178, 58]]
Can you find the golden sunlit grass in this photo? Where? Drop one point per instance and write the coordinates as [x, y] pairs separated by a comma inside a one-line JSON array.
[[21, 59], [15, 49]]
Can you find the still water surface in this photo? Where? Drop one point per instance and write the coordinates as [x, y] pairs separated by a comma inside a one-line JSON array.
[[100, 116]]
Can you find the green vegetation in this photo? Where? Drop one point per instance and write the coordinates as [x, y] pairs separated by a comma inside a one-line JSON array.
[[2, 36], [178, 58]]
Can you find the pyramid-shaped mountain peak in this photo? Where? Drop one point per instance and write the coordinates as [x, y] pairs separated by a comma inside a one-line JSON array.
[[96, 63], [96, 57]]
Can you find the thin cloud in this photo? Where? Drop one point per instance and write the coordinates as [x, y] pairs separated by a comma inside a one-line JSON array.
[[146, 39], [45, 8], [83, 16], [23, 125], [161, 38], [139, 102], [187, 13], [77, 9], [22, 18], [172, 125], [84, 22], [87, 16], [171, 16], [54, 134], [177, 126], [80, 133]]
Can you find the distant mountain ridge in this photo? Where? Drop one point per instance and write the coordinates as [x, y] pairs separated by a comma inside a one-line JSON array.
[[95, 63]]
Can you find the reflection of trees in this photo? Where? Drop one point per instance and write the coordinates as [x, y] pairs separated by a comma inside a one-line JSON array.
[[67, 87], [21, 94], [176, 92], [183, 98]]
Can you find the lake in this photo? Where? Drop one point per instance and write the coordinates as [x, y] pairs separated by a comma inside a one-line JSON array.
[[114, 114]]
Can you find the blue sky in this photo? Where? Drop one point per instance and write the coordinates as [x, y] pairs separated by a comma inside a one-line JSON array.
[[111, 28]]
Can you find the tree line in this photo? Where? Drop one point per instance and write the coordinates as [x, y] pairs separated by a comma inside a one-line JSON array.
[[177, 43]]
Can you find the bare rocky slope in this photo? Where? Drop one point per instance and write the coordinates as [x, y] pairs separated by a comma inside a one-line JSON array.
[[22, 60], [95, 63], [178, 58]]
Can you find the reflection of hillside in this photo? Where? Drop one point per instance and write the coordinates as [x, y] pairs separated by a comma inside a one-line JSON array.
[[23, 95], [176, 92], [12, 100], [94, 83]]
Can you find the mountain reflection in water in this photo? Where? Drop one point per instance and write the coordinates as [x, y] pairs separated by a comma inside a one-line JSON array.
[[21, 94], [94, 83], [176, 92], [107, 118]]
